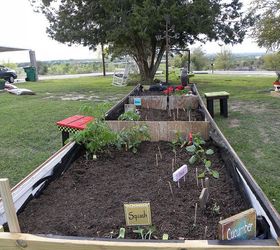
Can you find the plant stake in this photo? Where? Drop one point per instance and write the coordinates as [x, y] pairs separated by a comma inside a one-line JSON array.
[[205, 232], [171, 190], [156, 160], [196, 176], [172, 165], [195, 214], [160, 155]]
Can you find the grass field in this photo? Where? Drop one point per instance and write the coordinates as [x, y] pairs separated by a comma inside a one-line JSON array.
[[29, 136], [252, 127]]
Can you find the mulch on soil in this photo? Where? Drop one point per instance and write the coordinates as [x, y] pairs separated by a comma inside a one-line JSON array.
[[88, 199], [172, 115]]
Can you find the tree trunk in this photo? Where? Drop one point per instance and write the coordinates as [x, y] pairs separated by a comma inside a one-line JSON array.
[[103, 59], [148, 71]]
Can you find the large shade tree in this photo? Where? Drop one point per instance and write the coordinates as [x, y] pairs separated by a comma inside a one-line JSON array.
[[267, 29], [130, 27]]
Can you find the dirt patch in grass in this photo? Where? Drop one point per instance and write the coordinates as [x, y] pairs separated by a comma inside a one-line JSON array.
[[82, 97], [234, 123], [249, 107], [88, 199]]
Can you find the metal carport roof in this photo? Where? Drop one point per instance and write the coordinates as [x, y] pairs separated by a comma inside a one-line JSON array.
[[7, 49]]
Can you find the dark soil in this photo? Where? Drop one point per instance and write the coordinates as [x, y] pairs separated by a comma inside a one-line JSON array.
[[150, 93], [88, 199], [173, 115]]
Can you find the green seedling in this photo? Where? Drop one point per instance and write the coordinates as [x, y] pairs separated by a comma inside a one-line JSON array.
[[200, 154], [151, 230], [216, 209], [129, 116], [121, 233], [140, 231], [165, 236]]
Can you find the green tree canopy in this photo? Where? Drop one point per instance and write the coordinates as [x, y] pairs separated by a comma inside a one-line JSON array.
[[272, 61], [130, 27], [198, 59], [224, 60], [266, 29]]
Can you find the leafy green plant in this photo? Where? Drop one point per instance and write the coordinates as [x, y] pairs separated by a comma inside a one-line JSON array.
[[145, 233], [96, 137], [200, 154], [216, 209], [131, 137], [129, 116], [98, 111]]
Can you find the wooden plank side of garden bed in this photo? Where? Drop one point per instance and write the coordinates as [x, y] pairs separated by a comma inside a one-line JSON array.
[[118, 108], [186, 102], [165, 130], [262, 204], [151, 102], [9, 241]]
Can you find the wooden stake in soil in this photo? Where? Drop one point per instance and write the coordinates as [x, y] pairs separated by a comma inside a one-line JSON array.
[[203, 198], [171, 190], [205, 232], [174, 118], [207, 183], [195, 214], [160, 155], [156, 160], [177, 113], [172, 165], [196, 176], [175, 157], [9, 207]]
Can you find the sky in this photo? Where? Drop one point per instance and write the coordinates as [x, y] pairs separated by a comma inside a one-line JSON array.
[[23, 28]]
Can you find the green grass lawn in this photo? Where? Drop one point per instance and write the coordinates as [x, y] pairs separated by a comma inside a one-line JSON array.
[[28, 132], [29, 135], [252, 127]]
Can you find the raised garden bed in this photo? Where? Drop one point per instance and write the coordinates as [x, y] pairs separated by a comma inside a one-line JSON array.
[[118, 165], [88, 199]]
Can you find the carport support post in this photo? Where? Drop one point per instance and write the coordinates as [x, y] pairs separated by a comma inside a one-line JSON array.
[[33, 62], [9, 207]]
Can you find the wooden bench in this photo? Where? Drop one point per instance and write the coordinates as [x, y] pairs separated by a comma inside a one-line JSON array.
[[72, 124], [223, 97]]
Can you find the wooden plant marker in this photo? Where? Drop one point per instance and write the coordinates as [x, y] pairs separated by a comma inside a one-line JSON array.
[[180, 173], [172, 165], [241, 226], [9, 207], [203, 198], [138, 214]]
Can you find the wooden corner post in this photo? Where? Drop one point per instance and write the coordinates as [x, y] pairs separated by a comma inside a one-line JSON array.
[[9, 207]]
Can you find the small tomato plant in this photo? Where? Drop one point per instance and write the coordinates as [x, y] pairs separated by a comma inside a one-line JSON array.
[[200, 154], [129, 116]]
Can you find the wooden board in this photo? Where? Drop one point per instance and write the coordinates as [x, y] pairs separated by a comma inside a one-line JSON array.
[[151, 102], [186, 102], [165, 130], [10, 241]]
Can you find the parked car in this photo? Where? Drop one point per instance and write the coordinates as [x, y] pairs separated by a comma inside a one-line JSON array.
[[7, 74]]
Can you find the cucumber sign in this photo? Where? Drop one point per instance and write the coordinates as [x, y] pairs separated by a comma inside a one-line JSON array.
[[241, 226]]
